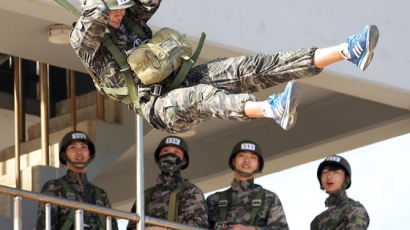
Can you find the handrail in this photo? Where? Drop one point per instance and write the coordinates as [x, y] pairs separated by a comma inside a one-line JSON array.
[[92, 208], [69, 203]]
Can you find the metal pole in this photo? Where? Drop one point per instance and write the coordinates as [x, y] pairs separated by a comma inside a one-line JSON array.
[[140, 172], [17, 112], [48, 216], [18, 222], [100, 106], [108, 223], [44, 112], [19, 75], [79, 219], [73, 100]]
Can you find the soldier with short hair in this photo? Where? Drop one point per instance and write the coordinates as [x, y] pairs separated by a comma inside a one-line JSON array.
[[76, 152], [174, 198], [108, 30], [246, 205], [335, 176]]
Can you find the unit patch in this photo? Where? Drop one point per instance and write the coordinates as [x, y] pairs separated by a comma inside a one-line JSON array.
[[173, 140], [78, 136], [333, 158], [248, 146]]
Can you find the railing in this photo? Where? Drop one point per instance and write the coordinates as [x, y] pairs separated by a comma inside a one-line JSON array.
[[80, 208]]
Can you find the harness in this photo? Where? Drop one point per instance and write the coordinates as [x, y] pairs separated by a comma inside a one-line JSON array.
[[133, 94], [174, 199], [225, 202], [71, 194]]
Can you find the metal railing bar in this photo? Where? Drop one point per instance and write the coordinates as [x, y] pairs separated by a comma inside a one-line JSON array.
[[92, 208], [44, 113], [48, 216], [140, 172], [17, 115], [69, 203], [108, 223], [17, 217], [73, 96], [79, 219]]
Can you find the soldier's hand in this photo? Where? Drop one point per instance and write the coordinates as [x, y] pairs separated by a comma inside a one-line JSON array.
[[241, 227]]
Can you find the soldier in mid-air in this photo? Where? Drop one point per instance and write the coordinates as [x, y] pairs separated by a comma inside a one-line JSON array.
[[335, 176], [174, 198], [76, 151], [110, 29], [246, 205]]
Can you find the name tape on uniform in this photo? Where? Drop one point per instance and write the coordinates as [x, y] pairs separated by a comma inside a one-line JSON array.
[[172, 140], [122, 2], [248, 146], [333, 158], [78, 136]]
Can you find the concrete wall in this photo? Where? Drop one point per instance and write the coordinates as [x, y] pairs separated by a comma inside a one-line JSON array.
[[7, 123]]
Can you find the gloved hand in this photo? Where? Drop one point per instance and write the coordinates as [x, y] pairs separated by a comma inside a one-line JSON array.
[[92, 5]]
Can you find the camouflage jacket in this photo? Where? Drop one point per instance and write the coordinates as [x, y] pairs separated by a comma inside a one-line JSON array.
[[270, 216], [89, 30], [84, 193], [192, 208], [342, 213]]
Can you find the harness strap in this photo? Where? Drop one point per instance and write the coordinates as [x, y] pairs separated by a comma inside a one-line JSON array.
[[174, 200], [225, 202], [98, 201], [187, 64], [121, 60], [257, 203], [129, 23], [72, 195], [147, 197], [340, 216]]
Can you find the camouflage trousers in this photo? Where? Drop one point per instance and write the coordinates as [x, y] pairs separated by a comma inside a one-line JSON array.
[[221, 88]]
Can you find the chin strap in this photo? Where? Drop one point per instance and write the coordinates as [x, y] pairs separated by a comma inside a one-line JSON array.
[[78, 165], [242, 173]]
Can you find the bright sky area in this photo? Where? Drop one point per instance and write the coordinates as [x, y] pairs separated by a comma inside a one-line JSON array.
[[379, 181]]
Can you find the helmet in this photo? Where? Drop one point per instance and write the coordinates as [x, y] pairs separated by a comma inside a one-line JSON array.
[[177, 141], [246, 145], [118, 4], [338, 161], [75, 135]]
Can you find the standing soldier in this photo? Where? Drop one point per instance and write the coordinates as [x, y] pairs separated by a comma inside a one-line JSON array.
[[156, 79], [76, 151], [334, 175], [174, 198], [246, 205]]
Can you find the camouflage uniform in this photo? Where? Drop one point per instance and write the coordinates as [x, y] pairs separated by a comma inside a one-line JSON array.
[[270, 216], [218, 88], [84, 192], [342, 213], [191, 207]]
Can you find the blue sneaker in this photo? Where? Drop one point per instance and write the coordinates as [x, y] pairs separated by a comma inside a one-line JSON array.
[[361, 47], [284, 105]]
